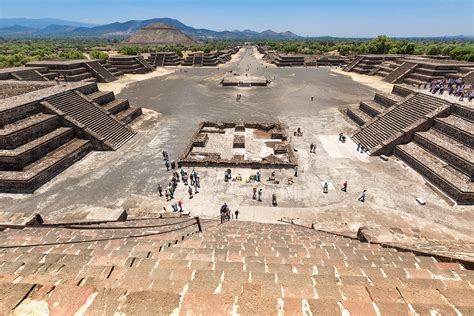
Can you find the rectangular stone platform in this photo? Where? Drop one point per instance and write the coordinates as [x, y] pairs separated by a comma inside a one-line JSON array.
[[254, 145]]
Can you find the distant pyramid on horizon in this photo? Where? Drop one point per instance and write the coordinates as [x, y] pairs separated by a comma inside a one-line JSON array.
[[159, 34]]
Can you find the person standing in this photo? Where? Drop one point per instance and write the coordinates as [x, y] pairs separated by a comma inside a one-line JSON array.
[[362, 196], [180, 204], [260, 192], [296, 171], [237, 214], [254, 195], [167, 165], [325, 187], [160, 190]]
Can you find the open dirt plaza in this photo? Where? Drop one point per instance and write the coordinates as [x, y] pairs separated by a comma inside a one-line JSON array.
[[176, 99]]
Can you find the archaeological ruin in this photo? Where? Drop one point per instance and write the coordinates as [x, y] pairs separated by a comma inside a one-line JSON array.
[[239, 144], [350, 191]]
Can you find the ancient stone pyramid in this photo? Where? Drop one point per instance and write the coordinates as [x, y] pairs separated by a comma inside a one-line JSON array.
[[159, 34]]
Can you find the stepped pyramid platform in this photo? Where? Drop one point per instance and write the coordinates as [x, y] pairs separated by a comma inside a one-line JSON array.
[[163, 59], [130, 64], [430, 134], [231, 80], [26, 74], [164, 266], [159, 34], [89, 70], [200, 59], [288, 60], [44, 131], [413, 70]]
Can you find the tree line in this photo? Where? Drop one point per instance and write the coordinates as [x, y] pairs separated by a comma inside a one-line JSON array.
[[18, 52]]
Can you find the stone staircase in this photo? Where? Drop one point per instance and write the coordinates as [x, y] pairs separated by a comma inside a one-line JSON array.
[[198, 60], [397, 125], [109, 128], [144, 267], [114, 71], [444, 154], [130, 64], [398, 74], [34, 148], [353, 63], [100, 72]]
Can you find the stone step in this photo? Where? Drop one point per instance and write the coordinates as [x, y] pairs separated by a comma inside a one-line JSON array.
[[452, 182], [456, 127], [372, 108], [448, 150], [25, 130], [129, 114], [358, 116], [42, 170], [20, 157], [116, 106], [102, 97]]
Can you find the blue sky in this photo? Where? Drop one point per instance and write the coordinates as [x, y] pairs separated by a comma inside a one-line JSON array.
[[304, 17]]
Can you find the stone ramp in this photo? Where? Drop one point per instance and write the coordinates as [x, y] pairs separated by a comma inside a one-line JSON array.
[[92, 116], [407, 115], [235, 268]]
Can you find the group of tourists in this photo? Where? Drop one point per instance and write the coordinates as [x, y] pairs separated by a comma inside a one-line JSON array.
[[227, 215], [454, 87], [58, 77]]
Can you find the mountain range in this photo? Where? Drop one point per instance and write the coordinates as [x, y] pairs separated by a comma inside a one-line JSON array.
[[41, 28]]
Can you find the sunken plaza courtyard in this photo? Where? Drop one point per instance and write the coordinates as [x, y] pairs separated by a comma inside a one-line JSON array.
[[174, 104], [93, 234]]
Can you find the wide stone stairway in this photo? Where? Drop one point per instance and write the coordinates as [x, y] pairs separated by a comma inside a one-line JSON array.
[[166, 266], [410, 113], [93, 116]]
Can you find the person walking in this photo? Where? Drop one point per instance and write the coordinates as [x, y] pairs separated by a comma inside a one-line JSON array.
[[254, 195], [196, 188], [160, 190], [190, 191], [180, 204], [167, 165], [362, 196], [296, 171], [237, 214], [311, 148], [167, 195], [344, 186], [274, 199], [260, 192]]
